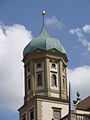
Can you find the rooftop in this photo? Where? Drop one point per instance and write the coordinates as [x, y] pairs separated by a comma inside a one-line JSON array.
[[44, 41], [84, 104]]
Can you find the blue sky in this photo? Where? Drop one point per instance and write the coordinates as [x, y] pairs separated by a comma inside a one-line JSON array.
[[68, 21]]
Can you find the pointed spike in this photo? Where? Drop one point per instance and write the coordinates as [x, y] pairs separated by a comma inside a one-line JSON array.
[[43, 13]]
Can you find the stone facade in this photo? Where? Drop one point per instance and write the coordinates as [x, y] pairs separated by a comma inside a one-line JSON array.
[[43, 108], [46, 59], [45, 64]]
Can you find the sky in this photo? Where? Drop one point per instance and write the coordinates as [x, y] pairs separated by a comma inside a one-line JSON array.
[[20, 22]]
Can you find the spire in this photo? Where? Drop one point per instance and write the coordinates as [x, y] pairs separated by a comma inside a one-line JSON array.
[[43, 13], [43, 31]]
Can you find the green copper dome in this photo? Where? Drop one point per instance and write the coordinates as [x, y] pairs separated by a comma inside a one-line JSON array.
[[45, 42]]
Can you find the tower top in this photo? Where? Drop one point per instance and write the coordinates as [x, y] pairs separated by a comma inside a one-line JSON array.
[[44, 41]]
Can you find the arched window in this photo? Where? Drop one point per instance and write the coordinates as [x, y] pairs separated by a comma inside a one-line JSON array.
[[54, 81], [53, 65], [39, 79], [39, 65]]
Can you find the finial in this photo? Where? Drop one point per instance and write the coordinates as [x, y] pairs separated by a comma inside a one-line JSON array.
[[43, 12], [78, 95]]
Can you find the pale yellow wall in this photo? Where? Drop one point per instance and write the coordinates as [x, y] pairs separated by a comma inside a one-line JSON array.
[[47, 110], [55, 95]]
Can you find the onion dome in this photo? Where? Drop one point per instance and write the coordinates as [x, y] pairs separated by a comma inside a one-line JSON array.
[[44, 42]]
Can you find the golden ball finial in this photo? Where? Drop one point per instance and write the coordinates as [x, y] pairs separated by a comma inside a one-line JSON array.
[[43, 12]]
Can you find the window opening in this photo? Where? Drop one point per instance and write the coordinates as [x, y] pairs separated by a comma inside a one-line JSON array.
[[56, 113], [32, 114], [63, 83], [53, 65], [54, 80], [39, 65], [39, 79]]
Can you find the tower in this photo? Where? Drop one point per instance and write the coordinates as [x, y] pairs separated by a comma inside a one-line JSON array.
[[45, 66]]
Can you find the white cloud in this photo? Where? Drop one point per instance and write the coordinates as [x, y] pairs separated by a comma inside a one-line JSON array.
[[12, 41], [54, 22], [86, 29], [80, 80], [81, 38]]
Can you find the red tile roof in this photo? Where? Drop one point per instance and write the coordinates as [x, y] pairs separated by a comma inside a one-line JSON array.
[[84, 104]]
